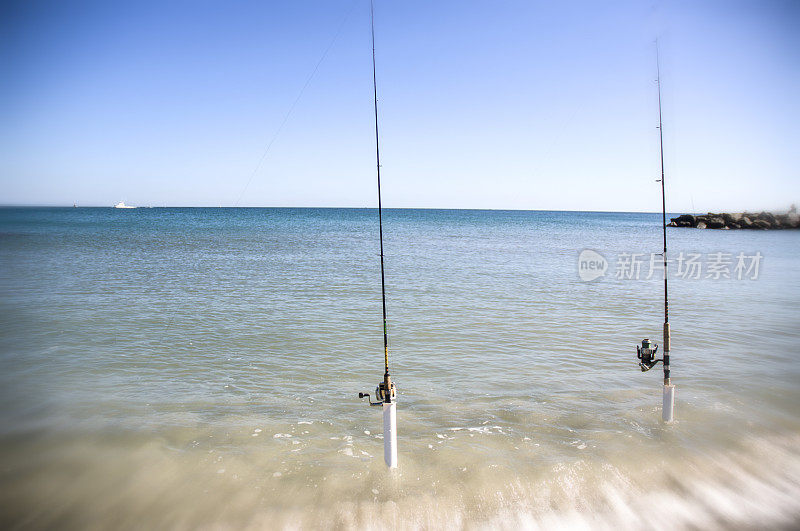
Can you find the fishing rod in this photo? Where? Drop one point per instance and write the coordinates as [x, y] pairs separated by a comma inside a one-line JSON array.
[[646, 353], [385, 393]]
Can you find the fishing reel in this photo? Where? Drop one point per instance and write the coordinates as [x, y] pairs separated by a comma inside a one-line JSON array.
[[647, 355], [385, 393]]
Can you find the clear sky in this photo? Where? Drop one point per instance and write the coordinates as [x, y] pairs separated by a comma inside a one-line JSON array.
[[505, 104]]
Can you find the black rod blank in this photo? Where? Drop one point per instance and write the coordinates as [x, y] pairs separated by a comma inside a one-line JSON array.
[[663, 225], [380, 208]]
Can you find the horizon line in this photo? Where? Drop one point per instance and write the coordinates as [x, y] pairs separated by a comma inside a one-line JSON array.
[[8, 206]]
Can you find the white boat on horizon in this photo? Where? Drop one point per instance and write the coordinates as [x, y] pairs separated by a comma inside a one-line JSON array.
[[122, 204]]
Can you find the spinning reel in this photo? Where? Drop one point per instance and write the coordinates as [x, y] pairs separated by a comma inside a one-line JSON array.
[[647, 355], [385, 392]]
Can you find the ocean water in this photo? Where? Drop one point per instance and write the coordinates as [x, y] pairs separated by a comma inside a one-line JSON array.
[[199, 368]]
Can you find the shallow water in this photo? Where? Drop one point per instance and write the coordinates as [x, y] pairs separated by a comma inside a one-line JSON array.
[[193, 368]]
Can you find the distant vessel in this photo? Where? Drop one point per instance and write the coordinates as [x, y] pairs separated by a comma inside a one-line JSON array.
[[122, 204]]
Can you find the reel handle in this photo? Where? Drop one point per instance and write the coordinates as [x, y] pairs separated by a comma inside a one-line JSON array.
[[371, 403]]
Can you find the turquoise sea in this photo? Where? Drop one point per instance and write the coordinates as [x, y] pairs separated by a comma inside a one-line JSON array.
[[185, 368]]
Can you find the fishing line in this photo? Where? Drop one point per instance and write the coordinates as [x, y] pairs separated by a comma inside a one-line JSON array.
[[296, 101]]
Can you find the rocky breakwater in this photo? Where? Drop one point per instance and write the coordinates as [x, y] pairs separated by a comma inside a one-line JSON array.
[[739, 220]]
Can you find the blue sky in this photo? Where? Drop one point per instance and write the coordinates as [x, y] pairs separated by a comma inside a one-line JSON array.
[[507, 104]]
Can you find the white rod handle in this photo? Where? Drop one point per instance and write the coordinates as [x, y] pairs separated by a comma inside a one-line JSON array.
[[668, 406], [390, 434]]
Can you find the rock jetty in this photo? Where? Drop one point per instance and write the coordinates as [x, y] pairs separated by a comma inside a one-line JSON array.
[[740, 220]]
